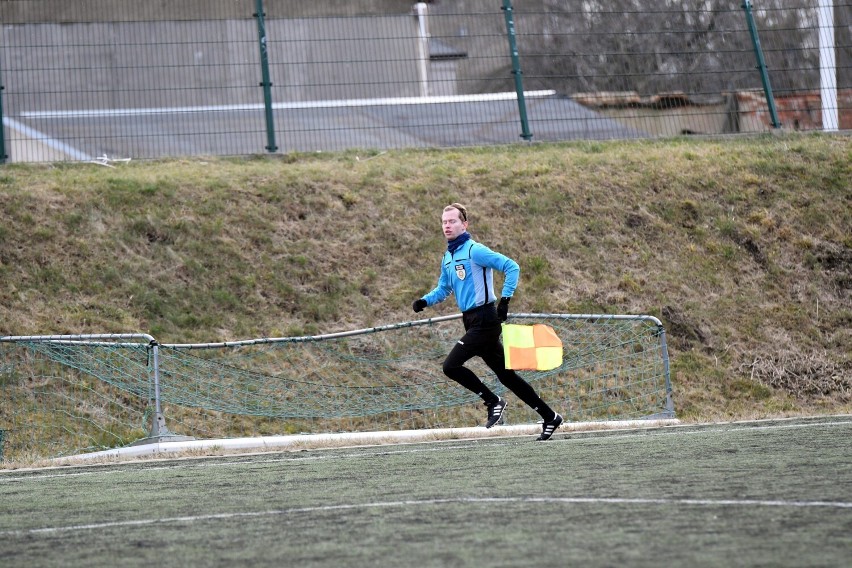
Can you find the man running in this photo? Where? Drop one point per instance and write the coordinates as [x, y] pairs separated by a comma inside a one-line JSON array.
[[468, 272]]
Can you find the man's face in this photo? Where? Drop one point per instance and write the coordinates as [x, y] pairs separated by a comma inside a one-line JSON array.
[[452, 224]]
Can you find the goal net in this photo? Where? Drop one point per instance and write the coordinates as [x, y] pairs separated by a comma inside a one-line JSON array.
[[67, 394]]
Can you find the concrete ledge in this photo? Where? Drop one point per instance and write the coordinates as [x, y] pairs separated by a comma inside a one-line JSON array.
[[309, 441]]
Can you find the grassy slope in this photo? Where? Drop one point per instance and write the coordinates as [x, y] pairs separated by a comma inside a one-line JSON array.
[[742, 247]]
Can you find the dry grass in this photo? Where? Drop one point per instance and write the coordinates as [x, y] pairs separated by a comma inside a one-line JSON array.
[[742, 247]]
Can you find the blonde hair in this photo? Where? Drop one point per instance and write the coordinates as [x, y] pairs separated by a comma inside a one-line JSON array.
[[462, 210]]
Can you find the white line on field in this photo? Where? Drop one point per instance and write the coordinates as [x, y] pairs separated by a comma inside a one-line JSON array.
[[793, 426], [209, 462], [679, 430], [431, 502]]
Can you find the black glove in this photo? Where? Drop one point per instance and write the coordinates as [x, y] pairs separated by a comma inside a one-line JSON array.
[[418, 305], [503, 309]]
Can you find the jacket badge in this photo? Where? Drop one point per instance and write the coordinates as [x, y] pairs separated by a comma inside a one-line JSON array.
[[460, 272]]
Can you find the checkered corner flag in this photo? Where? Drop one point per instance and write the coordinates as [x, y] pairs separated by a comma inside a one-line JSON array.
[[533, 347]]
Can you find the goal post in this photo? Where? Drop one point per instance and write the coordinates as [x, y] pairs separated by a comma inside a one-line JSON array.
[[67, 393], [108, 357]]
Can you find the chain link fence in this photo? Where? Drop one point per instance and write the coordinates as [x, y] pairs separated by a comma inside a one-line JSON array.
[[142, 79]]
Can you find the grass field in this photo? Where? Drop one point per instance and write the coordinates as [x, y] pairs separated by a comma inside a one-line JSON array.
[[763, 493]]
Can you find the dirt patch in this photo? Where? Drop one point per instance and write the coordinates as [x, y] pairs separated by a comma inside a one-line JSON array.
[[836, 260], [751, 247], [682, 331]]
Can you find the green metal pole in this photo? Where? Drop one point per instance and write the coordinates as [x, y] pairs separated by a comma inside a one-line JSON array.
[[761, 64], [266, 84], [3, 155], [516, 69]]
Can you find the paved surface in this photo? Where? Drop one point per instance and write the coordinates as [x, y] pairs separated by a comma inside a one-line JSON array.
[[153, 133]]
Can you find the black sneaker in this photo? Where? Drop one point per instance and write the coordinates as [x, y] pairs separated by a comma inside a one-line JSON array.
[[495, 412], [549, 427]]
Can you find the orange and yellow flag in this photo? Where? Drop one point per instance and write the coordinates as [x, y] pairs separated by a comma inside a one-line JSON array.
[[533, 347]]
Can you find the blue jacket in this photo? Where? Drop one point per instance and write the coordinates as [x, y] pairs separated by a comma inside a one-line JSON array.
[[469, 274]]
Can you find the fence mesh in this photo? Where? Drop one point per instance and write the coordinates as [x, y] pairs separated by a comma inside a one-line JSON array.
[[116, 79]]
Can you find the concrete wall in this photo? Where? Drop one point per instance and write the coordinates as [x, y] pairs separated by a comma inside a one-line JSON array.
[[344, 58], [117, 65], [800, 111], [86, 54], [741, 111], [78, 11], [478, 28], [703, 119]]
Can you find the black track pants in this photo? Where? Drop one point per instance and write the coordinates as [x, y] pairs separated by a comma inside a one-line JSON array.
[[482, 339]]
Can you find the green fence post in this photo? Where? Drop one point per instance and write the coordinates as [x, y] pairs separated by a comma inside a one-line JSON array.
[[266, 84], [3, 155], [516, 69], [761, 64]]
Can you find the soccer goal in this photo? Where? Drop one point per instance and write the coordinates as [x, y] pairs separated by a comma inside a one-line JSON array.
[[71, 393]]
